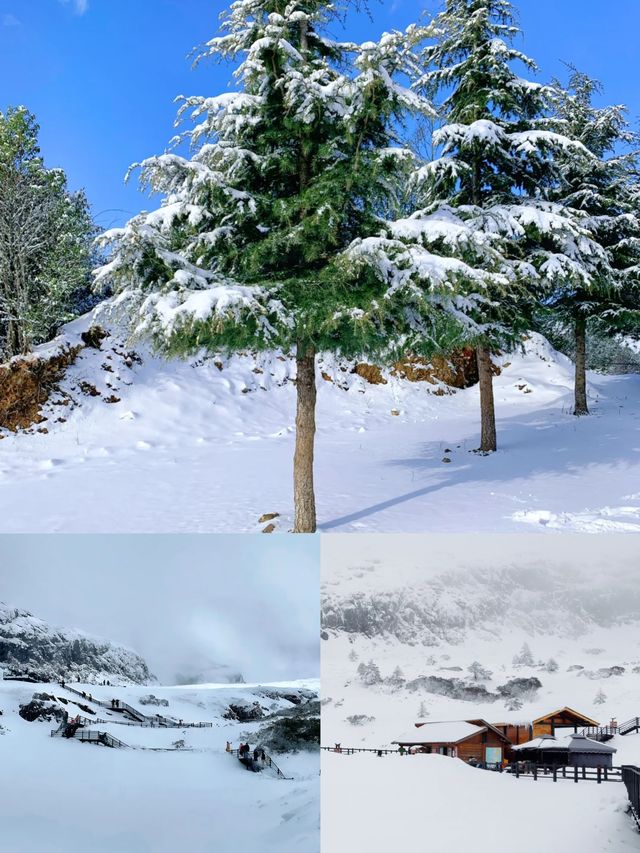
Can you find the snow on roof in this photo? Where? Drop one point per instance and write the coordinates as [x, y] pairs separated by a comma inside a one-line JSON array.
[[452, 732], [547, 742], [571, 742], [582, 743], [568, 712]]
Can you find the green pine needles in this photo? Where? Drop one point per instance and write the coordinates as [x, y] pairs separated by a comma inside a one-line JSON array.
[[305, 217]]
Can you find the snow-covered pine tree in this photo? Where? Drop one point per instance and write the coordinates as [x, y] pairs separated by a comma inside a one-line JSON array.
[[492, 181], [479, 672], [605, 188], [600, 697], [46, 236], [246, 250], [524, 657]]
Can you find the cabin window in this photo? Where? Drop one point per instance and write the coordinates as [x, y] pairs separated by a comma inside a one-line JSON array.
[[493, 755]]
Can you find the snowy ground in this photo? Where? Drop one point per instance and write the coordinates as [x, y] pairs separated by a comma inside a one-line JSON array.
[[440, 805], [69, 797], [218, 445]]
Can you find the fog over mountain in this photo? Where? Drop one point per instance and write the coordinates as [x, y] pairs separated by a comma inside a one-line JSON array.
[[547, 585], [194, 607]]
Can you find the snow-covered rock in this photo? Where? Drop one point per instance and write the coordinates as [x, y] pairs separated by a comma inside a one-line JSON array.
[[30, 647]]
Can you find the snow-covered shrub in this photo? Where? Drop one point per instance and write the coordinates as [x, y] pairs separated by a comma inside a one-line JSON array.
[[524, 657], [150, 699], [359, 719], [479, 672], [369, 673]]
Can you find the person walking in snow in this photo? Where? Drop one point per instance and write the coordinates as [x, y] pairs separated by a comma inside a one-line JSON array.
[[228, 747], [256, 754], [263, 756]]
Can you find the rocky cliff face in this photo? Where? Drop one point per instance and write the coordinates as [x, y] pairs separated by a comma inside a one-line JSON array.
[[30, 647]]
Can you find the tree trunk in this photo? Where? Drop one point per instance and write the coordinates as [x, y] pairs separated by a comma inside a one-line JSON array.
[[488, 440], [581, 407], [13, 338], [303, 490]]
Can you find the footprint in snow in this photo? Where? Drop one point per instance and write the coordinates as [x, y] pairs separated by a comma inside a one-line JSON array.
[[49, 464]]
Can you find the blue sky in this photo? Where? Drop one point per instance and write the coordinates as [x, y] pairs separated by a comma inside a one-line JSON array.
[[101, 75]]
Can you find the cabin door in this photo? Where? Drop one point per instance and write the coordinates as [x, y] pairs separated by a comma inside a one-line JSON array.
[[493, 755]]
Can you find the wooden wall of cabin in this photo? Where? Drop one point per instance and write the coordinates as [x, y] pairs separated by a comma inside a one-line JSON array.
[[517, 734], [475, 746]]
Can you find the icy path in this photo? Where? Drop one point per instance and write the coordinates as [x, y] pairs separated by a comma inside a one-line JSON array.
[[195, 449], [438, 804]]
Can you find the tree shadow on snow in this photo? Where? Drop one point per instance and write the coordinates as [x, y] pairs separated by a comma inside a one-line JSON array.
[[546, 441]]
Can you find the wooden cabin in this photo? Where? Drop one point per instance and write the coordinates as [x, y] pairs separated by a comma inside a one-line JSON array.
[[515, 732], [470, 740], [564, 718]]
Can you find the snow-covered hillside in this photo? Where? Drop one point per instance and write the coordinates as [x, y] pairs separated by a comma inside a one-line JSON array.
[[170, 788], [137, 443], [31, 647], [445, 639], [580, 626]]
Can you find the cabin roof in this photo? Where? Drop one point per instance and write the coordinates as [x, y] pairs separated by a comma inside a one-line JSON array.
[[547, 742], [575, 716], [451, 732], [444, 733], [566, 743]]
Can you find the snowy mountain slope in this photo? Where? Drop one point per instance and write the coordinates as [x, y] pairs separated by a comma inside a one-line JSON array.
[[581, 627], [157, 798], [30, 646], [178, 446]]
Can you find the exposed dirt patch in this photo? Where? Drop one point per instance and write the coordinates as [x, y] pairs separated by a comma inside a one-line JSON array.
[[94, 336], [26, 384], [459, 370], [371, 373], [89, 389]]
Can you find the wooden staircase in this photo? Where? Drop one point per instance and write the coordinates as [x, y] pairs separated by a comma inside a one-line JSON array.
[[136, 717], [605, 733]]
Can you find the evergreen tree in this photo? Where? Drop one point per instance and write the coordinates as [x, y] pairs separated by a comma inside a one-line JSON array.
[[396, 679], [46, 240], [525, 657], [486, 195], [479, 672], [369, 673], [551, 665], [248, 247], [604, 188], [600, 697]]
